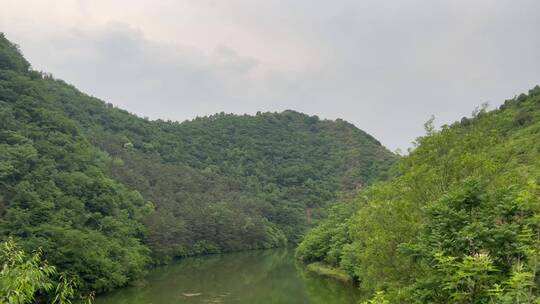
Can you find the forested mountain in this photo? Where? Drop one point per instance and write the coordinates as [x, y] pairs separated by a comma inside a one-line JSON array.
[[457, 223], [269, 169], [105, 193]]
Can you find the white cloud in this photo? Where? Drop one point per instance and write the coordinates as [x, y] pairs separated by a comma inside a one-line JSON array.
[[386, 66]]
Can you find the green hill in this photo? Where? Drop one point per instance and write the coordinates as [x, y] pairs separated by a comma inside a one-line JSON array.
[[457, 223], [105, 193]]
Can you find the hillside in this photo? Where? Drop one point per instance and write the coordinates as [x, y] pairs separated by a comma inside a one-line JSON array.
[[247, 181], [55, 191], [458, 221], [105, 193]]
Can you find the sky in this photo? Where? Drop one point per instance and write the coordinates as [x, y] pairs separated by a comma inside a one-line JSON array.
[[385, 66]]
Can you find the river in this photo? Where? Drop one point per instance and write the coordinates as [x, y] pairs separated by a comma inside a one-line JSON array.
[[254, 277]]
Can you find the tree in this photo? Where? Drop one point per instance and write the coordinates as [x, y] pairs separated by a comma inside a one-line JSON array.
[[28, 278]]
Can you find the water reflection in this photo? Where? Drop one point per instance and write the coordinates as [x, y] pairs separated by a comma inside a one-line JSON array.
[[266, 276]]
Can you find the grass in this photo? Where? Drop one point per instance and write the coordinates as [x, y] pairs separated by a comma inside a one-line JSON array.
[[329, 271]]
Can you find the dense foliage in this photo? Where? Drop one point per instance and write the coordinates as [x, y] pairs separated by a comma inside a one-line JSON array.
[[29, 279], [459, 221], [104, 193]]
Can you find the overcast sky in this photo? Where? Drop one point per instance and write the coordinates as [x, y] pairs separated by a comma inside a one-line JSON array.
[[385, 66]]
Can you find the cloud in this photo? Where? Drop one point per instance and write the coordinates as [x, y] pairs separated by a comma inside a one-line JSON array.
[[118, 63], [386, 66]]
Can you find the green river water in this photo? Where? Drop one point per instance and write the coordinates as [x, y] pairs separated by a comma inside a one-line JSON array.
[[258, 277]]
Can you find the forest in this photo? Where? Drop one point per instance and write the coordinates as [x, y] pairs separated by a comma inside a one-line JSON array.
[[92, 196]]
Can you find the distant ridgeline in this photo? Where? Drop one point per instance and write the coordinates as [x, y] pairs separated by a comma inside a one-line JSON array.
[[105, 193], [458, 222]]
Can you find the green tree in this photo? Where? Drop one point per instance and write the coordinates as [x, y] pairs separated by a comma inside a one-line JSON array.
[[28, 279]]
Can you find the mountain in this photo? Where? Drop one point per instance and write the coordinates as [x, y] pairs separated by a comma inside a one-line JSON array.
[[105, 193], [457, 222]]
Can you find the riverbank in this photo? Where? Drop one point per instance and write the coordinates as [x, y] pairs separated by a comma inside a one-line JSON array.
[[329, 271]]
